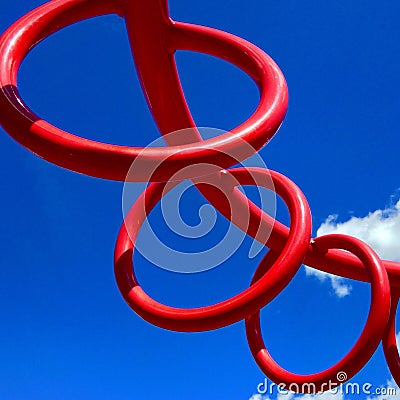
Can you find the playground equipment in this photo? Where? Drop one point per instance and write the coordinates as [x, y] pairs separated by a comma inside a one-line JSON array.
[[154, 38]]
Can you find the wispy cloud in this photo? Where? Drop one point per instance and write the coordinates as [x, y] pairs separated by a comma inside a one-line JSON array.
[[380, 229], [288, 396], [292, 396], [340, 288], [390, 384]]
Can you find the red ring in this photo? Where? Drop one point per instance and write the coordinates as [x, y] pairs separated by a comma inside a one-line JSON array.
[[237, 307], [112, 161], [366, 344], [389, 340]]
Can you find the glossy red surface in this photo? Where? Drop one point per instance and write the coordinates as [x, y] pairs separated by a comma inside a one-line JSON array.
[[364, 347], [389, 340], [238, 307], [156, 66], [154, 38]]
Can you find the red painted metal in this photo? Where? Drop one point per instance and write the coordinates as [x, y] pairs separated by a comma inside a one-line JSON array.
[[238, 307], [389, 340], [362, 350], [155, 60], [154, 38]]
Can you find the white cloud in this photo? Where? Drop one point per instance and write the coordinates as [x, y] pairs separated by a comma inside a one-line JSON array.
[[259, 397], [390, 385], [292, 396], [322, 396], [341, 289], [380, 229], [288, 396]]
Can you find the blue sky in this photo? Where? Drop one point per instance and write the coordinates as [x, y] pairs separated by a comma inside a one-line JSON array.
[[66, 331]]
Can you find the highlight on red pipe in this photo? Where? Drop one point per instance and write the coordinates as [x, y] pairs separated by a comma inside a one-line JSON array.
[[209, 165]]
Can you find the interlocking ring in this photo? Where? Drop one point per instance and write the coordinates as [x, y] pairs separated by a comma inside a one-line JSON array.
[[111, 161], [237, 307], [366, 344], [154, 38], [389, 341]]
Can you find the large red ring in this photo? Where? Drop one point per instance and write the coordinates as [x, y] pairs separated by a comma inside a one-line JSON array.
[[112, 161], [238, 307], [366, 344], [389, 341]]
